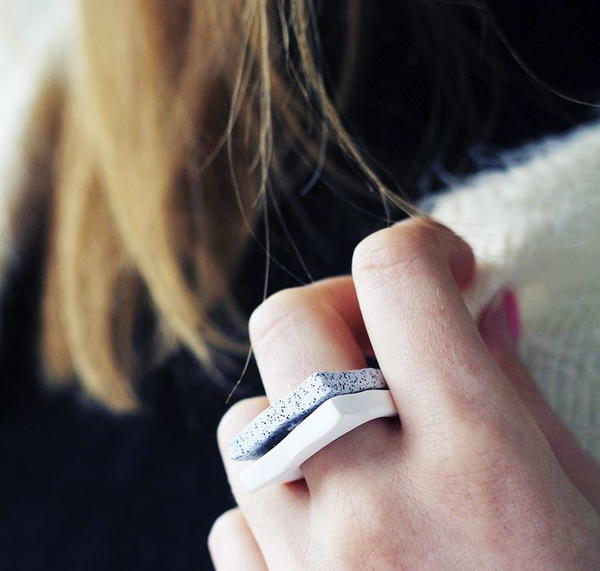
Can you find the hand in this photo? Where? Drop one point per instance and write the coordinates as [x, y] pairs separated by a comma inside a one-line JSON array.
[[478, 474]]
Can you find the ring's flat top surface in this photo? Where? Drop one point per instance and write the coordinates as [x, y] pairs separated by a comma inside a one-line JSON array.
[[276, 422]]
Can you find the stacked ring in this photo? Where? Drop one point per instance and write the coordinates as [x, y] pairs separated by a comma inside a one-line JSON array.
[[324, 407]]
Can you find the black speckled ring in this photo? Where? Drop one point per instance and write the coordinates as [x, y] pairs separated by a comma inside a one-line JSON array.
[[273, 424]]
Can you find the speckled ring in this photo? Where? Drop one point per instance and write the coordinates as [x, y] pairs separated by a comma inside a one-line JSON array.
[[278, 420]]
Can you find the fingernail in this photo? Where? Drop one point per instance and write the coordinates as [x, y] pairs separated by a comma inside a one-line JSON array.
[[499, 323], [512, 313]]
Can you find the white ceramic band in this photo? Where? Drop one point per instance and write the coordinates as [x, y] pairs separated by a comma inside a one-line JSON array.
[[332, 419]]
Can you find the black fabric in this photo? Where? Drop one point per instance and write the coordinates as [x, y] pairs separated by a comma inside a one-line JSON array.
[[82, 488]]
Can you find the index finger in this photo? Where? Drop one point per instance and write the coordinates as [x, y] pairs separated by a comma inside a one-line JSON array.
[[408, 280]]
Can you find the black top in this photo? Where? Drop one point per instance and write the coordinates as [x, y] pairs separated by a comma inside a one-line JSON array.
[[81, 488]]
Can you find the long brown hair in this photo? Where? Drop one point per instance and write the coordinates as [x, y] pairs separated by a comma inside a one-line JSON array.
[[173, 118]]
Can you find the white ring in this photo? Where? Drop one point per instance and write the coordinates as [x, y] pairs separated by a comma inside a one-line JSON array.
[[332, 419], [275, 422]]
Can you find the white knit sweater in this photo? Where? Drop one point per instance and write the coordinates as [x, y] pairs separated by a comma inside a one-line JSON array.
[[533, 224], [536, 226]]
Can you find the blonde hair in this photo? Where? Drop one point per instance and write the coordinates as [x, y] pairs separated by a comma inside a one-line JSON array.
[[174, 118]]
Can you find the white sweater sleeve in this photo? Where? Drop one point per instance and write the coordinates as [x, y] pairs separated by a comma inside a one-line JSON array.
[[535, 224]]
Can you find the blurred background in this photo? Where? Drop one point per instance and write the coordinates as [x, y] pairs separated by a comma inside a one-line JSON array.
[[440, 90]]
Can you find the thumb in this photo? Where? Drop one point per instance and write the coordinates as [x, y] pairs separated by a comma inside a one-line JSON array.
[[500, 327]]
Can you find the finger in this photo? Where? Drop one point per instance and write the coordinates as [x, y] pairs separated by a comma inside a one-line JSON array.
[[303, 330], [232, 545], [499, 327], [234, 420], [273, 510], [408, 280]]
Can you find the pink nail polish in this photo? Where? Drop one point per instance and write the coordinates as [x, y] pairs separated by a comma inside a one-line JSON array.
[[499, 322], [512, 314]]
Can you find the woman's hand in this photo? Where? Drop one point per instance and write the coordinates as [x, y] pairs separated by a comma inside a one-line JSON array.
[[478, 474]]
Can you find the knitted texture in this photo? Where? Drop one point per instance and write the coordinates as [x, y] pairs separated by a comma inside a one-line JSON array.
[[534, 225]]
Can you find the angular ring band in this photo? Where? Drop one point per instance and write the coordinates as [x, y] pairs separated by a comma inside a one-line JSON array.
[[324, 407]]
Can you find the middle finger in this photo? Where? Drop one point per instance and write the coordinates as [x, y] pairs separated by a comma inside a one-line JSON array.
[[314, 328]]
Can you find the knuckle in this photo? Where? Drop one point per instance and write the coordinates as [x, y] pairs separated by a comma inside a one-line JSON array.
[[275, 312], [410, 245], [220, 532]]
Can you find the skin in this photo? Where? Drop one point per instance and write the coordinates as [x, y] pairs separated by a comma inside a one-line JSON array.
[[480, 474]]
